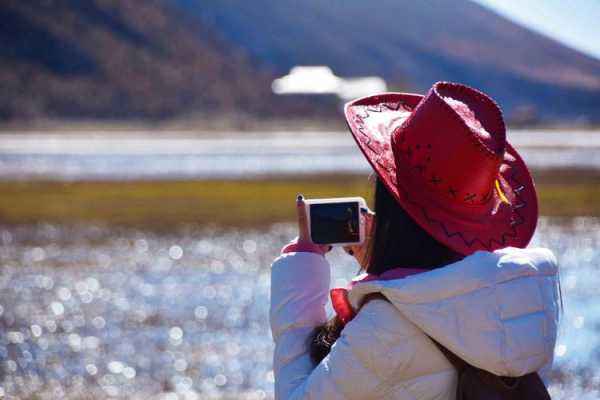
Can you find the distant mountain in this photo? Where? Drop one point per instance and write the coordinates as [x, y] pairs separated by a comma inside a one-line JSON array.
[[124, 59], [160, 59], [413, 44]]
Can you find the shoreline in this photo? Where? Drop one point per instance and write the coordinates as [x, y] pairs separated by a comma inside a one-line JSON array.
[[164, 205]]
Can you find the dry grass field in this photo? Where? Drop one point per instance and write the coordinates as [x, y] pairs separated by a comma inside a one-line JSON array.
[[162, 204]]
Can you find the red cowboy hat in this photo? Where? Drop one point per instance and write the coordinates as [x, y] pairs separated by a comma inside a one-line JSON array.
[[445, 158]]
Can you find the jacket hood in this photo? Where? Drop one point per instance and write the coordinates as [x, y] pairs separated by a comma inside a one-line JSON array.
[[498, 311]]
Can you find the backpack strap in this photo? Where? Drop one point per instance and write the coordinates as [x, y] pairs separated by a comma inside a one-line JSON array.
[[455, 360]]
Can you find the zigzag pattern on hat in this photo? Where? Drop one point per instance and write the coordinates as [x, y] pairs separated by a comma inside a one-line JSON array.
[[489, 245]]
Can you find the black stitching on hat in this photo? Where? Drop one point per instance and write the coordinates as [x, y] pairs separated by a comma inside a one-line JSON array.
[[470, 197], [420, 167], [408, 152], [435, 180], [486, 197], [515, 221]]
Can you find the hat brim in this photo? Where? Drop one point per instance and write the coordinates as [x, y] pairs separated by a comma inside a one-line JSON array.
[[510, 222]]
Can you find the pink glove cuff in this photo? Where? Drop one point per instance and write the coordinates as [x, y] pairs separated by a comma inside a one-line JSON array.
[[294, 246]]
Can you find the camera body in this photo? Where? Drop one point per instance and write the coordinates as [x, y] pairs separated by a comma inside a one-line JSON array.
[[336, 221]]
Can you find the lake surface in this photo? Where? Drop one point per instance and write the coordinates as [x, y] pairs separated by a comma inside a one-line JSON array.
[[89, 312], [177, 155]]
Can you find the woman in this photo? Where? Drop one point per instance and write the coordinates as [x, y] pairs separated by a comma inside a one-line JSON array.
[[455, 208]]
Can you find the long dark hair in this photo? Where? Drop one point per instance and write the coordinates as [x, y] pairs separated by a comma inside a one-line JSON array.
[[397, 241]]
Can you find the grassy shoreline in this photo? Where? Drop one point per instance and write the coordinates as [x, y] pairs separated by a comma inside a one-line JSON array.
[[163, 204]]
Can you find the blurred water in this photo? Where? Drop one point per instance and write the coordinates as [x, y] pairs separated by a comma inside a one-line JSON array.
[[174, 155], [88, 312]]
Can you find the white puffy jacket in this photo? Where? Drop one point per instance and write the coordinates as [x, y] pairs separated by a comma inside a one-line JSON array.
[[498, 311]]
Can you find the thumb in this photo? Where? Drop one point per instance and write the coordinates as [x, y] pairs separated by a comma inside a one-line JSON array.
[[303, 235]]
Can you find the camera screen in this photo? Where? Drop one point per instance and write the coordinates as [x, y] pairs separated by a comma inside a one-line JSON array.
[[334, 223]]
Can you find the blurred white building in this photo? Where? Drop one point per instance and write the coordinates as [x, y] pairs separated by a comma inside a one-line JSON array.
[[320, 79]]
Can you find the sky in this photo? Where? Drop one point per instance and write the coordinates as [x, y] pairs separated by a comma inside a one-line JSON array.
[[575, 23]]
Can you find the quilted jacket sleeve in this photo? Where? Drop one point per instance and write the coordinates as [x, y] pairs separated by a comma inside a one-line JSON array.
[[299, 291]]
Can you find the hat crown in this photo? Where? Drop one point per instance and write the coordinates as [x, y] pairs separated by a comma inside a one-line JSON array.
[[478, 112], [454, 142]]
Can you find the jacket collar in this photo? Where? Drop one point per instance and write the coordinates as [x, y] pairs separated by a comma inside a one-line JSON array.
[[339, 296]]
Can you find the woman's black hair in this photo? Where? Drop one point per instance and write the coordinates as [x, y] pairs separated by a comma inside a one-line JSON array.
[[398, 241]]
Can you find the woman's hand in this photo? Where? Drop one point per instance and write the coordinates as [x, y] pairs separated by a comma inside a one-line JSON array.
[[359, 251], [303, 235]]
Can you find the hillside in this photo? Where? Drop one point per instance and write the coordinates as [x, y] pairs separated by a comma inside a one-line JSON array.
[[125, 59], [414, 42], [156, 60]]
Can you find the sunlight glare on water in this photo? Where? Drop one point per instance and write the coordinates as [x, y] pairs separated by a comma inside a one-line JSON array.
[[92, 312]]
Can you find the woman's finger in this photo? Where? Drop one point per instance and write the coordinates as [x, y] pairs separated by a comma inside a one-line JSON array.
[[303, 235], [359, 251], [369, 217], [349, 249]]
